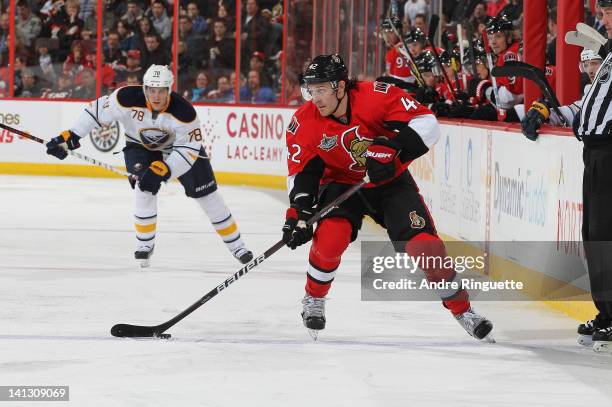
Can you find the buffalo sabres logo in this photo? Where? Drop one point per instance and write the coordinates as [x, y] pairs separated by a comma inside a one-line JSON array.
[[416, 221], [357, 147], [604, 74], [154, 138], [328, 142], [106, 137]]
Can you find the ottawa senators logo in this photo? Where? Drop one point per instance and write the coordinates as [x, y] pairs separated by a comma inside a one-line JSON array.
[[357, 147], [416, 221]]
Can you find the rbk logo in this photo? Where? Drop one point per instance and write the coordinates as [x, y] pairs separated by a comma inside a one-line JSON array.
[[357, 147]]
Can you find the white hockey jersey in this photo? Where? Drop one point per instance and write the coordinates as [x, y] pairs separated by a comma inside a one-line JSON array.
[[175, 130]]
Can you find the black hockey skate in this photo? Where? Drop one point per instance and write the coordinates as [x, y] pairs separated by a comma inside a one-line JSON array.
[[602, 340], [313, 314], [476, 325], [586, 330], [144, 255], [243, 255]]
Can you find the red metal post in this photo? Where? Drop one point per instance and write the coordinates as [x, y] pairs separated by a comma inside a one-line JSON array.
[[175, 36], [284, 49], [238, 50], [569, 13], [11, 61], [99, 35], [534, 41]]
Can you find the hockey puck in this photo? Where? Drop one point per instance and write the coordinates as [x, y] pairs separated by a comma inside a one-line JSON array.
[[164, 336]]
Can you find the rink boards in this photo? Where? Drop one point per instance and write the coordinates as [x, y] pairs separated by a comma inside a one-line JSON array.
[[481, 182]]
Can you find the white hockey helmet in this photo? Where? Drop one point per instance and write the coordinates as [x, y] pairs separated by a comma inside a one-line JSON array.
[[158, 76], [588, 55]]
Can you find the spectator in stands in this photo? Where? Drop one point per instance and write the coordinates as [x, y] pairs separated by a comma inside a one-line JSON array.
[[112, 50], [202, 87], [132, 63], [153, 52], [87, 88], [4, 32], [144, 27], [186, 68], [45, 61], [256, 63], [254, 92], [77, 60], [223, 14], [90, 27], [21, 62], [198, 22], [160, 20], [133, 13], [293, 92], [598, 23], [274, 42], [27, 24], [72, 30], [127, 40], [88, 8], [478, 19], [255, 29], [132, 80], [30, 87], [414, 7], [224, 92], [222, 54], [420, 22], [62, 90], [193, 40]]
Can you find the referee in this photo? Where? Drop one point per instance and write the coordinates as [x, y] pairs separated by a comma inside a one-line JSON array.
[[592, 124]]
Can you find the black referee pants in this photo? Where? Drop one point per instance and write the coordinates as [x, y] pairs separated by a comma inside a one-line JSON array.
[[597, 224]]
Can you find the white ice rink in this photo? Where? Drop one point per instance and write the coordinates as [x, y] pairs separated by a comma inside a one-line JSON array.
[[67, 275]]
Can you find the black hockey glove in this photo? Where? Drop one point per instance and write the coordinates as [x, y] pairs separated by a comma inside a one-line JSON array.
[[426, 95], [67, 140], [295, 231], [380, 159], [152, 178], [531, 123]]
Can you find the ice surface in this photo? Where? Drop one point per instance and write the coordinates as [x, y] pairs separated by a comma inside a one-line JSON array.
[[67, 275]]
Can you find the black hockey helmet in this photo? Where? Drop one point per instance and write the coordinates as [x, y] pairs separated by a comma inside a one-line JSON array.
[[425, 62], [480, 55], [604, 3], [415, 35], [325, 68], [446, 57], [499, 24], [387, 24]]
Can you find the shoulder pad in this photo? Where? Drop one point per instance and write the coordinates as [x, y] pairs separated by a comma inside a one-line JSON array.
[[181, 109], [131, 96]]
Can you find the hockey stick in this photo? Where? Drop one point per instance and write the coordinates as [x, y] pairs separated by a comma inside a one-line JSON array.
[[139, 331], [433, 26], [501, 113], [534, 74], [70, 152]]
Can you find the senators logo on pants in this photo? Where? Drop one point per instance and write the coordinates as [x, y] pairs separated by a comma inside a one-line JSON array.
[[357, 147]]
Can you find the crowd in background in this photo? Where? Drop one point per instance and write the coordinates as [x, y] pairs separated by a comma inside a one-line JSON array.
[[56, 40]]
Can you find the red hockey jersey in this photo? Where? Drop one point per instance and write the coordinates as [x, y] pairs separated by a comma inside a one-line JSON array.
[[342, 147], [397, 65]]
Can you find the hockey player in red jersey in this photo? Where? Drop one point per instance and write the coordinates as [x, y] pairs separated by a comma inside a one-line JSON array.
[[396, 64], [505, 48], [347, 130]]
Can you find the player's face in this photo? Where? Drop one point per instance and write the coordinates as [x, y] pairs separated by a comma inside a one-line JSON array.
[[390, 38], [482, 71], [591, 67], [607, 19], [498, 42], [429, 78], [415, 48], [157, 97], [324, 97]]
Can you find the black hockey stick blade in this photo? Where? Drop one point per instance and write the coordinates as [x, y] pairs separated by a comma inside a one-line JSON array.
[[141, 331], [433, 27]]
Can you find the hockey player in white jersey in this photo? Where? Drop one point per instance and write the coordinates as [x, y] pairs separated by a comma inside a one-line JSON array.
[[540, 112], [163, 141]]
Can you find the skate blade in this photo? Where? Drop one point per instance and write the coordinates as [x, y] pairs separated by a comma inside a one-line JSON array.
[[144, 263], [585, 340], [602, 347], [314, 334], [488, 339]]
